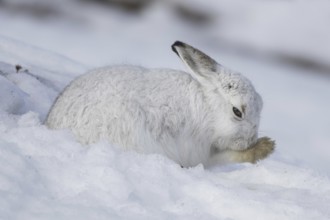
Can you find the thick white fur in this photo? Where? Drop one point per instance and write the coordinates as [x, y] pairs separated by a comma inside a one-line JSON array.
[[186, 116]]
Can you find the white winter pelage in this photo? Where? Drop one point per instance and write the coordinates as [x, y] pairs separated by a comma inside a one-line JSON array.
[[209, 115]]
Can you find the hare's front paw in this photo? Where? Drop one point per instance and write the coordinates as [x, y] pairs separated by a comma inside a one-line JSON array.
[[262, 148]]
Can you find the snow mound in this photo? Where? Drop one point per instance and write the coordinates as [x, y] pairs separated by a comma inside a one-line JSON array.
[[48, 175]]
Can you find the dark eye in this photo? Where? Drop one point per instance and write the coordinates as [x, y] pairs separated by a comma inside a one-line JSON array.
[[237, 112]]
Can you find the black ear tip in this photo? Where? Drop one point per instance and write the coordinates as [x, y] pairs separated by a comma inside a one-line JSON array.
[[177, 44]]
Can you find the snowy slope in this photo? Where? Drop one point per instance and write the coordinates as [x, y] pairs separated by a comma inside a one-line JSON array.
[[46, 174]]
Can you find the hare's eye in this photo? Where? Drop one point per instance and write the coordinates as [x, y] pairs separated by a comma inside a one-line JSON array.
[[237, 112]]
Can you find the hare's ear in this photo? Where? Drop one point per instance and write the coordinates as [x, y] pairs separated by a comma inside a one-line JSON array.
[[200, 64]]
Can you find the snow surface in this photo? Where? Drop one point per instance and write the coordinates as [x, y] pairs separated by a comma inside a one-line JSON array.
[[46, 174]]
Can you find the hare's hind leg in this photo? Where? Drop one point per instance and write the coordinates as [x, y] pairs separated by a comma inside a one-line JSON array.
[[260, 150]]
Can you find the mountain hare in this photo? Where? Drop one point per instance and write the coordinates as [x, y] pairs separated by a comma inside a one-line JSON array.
[[210, 115]]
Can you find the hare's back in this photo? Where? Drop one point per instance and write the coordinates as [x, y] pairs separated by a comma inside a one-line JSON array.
[[121, 88], [109, 100], [131, 79]]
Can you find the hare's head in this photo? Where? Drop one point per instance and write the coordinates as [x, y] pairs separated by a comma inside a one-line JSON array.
[[229, 95]]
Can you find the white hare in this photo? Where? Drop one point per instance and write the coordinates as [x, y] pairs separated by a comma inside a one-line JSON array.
[[210, 116]]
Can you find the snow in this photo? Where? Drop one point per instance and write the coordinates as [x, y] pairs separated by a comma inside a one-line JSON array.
[[51, 176], [47, 174]]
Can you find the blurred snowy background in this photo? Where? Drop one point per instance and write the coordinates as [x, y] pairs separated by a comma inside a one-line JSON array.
[[282, 46]]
